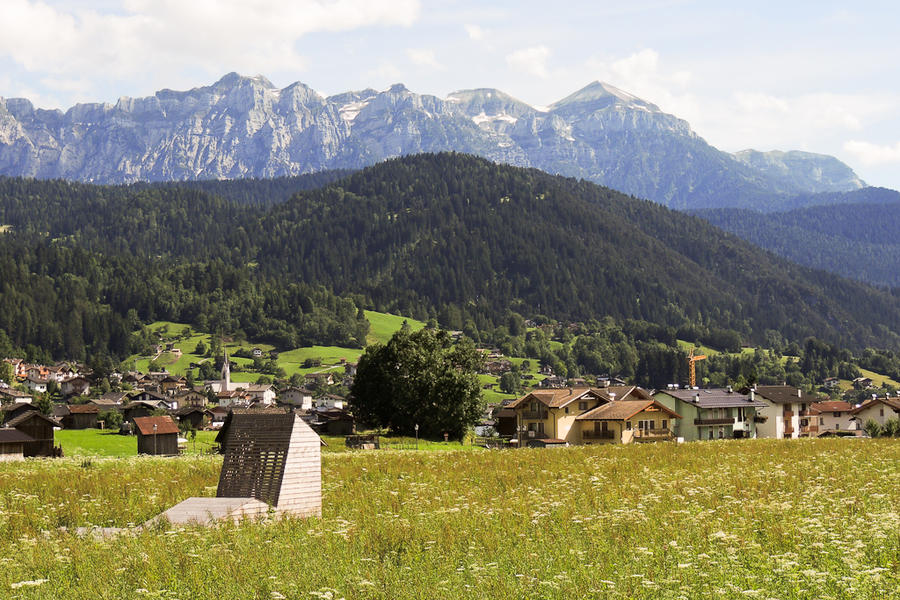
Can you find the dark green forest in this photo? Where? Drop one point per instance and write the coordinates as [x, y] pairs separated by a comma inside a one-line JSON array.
[[446, 237], [858, 241]]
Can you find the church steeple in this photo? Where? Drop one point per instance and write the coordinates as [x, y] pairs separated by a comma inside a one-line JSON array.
[[226, 373]]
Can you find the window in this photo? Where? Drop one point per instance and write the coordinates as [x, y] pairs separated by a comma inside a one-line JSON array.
[[721, 432], [628, 425], [567, 410], [582, 406], [821, 420], [710, 433], [881, 412], [740, 413], [665, 424]]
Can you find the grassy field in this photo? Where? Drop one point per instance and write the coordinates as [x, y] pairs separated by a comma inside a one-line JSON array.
[[99, 443], [803, 519], [383, 326]]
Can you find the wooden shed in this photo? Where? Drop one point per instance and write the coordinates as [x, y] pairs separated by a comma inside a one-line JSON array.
[[12, 444], [156, 435], [194, 416], [81, 416], [40, 429]]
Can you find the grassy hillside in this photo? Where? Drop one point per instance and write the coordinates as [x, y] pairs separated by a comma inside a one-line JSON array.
[[383, 326], [793, 520]]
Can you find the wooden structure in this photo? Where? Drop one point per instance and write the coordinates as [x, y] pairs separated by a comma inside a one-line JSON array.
[[81, 416], [12, 444], [156, 435], [40, 429], [192, 415], [272, 465]]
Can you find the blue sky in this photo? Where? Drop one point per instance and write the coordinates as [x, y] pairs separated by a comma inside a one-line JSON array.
[[816, 76]]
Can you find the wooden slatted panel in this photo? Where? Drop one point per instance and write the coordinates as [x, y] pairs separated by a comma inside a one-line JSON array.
[[256, 450]]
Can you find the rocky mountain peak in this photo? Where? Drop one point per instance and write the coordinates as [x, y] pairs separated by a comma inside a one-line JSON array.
[[598, 95]]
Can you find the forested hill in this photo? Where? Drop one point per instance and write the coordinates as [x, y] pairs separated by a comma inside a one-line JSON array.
[[453, 231], [859, 241], [450, 236]]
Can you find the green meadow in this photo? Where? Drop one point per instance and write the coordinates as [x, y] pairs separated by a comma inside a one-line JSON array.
[[383, 326], [801, 519]]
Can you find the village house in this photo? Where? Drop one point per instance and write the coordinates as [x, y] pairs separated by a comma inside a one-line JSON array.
[[76, 386], [171, 384], [13, 395], [831, 416], [36, 384], [110, 400], [626, 421], [298, 397], [831, 382], [263, 394], [192, 398], [880, 410], [787, 412], [711, 413], [329, 401], [550, 414], [862, 383], [156, 435]]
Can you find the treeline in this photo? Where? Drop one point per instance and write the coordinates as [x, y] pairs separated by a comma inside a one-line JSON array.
[[60, 301], [446, 237], [858, 241]]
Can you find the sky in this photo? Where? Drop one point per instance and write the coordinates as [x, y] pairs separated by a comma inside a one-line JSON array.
[[791, 75]]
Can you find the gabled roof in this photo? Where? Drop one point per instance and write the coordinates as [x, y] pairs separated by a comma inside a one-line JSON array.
[[622, 410], [557, 398], [152, 404], [893, 403], [83, 409], [164, 425], [782, 394], [714, 398], [31, 414], [831, 406]]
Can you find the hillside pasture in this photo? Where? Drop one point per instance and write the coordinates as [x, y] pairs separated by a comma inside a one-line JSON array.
[[803, 519]]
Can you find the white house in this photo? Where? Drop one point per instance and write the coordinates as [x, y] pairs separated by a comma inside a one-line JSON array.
[[299, 397], [833, 416], [787, 413], [877, 409]]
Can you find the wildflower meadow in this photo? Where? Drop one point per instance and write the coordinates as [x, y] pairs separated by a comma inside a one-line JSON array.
[[768, 519]]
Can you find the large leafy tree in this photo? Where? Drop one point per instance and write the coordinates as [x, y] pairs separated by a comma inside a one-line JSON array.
[[419, 378]]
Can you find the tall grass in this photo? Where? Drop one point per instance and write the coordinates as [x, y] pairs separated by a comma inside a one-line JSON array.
[[741, 519]]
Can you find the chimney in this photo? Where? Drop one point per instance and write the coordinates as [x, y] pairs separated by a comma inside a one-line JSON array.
[[730, 390], [799, 393], [612, 396], [696, 398], [752, 395]]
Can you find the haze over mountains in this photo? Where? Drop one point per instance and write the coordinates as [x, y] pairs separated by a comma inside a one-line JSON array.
[[246, 127]]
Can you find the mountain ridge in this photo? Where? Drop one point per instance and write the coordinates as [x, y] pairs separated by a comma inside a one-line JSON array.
[[246, 127]]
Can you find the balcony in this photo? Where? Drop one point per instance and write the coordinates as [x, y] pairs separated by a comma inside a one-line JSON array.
[[787, 414], [809, 430], [726, 421], [653, 434], [806, 413], [534, 415], [591, 434]]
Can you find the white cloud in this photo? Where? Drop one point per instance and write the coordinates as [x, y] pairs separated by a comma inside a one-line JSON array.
[[873, 154], [423, 58], [475, 32], [145, 36], [530, 60]]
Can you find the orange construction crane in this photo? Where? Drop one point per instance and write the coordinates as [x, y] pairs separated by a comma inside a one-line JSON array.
[[691, 360]]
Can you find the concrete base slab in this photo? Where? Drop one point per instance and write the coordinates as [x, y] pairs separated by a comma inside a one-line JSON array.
[[206, 511]]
